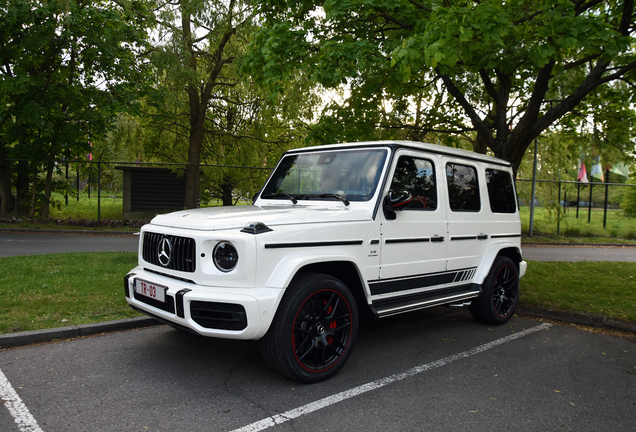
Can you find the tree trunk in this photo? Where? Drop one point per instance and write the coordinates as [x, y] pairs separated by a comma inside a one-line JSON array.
[[34, 193], [197, 123], [226, 191], [6, 198], [22, 188], [46, 202]]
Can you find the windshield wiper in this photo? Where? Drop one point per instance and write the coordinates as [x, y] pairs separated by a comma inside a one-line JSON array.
[[280, 195], [337, 196]]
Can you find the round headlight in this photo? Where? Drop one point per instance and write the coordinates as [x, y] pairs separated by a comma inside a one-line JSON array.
[[225, 256]]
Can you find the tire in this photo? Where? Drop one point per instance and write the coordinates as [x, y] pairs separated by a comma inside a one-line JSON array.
[[500, 293], [314, 329]]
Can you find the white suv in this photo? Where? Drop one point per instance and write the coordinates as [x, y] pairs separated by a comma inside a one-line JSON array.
[[373, 228]]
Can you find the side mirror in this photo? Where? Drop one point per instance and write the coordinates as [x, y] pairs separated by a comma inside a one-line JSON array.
[[395, 200]]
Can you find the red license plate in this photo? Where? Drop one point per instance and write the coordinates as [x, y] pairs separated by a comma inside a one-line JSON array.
[[151, 290]]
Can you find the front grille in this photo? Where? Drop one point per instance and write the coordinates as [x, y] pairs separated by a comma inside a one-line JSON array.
[[221, 316], [182, 255]]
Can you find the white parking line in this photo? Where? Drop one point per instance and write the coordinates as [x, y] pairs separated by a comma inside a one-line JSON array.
[[25, 421], [339, 397]]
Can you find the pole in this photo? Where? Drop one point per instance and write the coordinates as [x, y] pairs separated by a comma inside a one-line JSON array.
[[67, 185], [589, 204], [99, 189], [578, 198], [559, 211], [607, 180], [534, 188]]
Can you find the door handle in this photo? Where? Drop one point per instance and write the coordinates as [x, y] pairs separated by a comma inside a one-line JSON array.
[[437, 239]]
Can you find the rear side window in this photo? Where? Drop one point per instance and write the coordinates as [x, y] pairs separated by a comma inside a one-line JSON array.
[[501, 192], [463, 189], [418, 177]]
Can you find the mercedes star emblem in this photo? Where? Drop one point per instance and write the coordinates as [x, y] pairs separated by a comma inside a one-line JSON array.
[[165, 250]]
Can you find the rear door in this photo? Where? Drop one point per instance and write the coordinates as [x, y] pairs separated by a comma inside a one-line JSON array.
[[469, 219]]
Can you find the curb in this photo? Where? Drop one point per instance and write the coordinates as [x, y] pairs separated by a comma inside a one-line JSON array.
[[574, 317], [11, 340], [566, 245], [69, 232]]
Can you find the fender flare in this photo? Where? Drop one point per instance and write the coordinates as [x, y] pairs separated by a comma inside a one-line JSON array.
[[490, 256], [289, 266]]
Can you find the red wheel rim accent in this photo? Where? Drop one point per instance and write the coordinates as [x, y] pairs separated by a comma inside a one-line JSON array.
[[321, 330]]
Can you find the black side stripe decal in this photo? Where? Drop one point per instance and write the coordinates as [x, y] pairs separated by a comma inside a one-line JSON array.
[[420, 281], [505, 235], [408, 240], [312, 244], [464, 238]]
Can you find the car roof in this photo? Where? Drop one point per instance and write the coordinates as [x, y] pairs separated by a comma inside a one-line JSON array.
[[396, 144]]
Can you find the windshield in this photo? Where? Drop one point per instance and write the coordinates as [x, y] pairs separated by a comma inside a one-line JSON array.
[[352, 175]]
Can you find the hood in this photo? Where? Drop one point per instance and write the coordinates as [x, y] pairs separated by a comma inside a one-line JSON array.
[[223, 218]]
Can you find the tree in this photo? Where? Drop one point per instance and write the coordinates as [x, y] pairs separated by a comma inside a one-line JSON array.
[[67, 68], [201, 44], [503, 71], [205, 107]]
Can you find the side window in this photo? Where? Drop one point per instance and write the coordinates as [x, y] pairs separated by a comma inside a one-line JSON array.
[[418, 177], [501, 193], [463, 189]]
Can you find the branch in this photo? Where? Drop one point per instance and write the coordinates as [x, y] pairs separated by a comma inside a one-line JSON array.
[[490, 88], [477, 122], [582, 6], [583, 60], [421, 6]]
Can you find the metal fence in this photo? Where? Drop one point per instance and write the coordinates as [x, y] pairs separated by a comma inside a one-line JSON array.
[[95, 191], [574, 208]]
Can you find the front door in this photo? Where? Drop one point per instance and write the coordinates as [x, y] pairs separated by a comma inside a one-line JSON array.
[[413, 239]]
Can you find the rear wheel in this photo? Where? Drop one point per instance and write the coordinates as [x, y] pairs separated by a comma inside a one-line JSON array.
[[500, 295], [314, 329]]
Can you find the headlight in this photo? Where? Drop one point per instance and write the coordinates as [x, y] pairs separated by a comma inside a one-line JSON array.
[[225, 256]]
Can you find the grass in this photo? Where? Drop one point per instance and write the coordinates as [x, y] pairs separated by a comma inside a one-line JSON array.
[[607, 288], [617, 226], [110, 206], [47, 291]]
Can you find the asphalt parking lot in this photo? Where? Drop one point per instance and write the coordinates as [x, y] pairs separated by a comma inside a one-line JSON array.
[[435, 369], [431, 370]]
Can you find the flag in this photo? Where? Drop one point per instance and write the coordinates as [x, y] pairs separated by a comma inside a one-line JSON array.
[[582, 177], [597, 169], [620, 169]]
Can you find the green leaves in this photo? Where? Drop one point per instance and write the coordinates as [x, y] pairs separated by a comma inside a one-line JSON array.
[[496, 73]]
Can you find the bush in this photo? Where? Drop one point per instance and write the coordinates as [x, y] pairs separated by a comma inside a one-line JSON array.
[[628, 202]]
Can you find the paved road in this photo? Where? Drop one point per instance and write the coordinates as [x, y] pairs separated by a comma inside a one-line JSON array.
[[13, 244], [433, 370], [578, 253]]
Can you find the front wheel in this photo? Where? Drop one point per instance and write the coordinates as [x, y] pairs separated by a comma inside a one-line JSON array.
[[500, 293], [313, 332]]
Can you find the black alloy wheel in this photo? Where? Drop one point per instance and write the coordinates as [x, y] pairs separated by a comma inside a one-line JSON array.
[[498, 301], [314, 329]]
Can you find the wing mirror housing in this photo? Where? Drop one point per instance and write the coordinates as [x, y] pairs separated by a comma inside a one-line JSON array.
[[395, 201]]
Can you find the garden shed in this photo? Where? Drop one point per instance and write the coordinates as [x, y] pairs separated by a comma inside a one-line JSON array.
[[150, 190]]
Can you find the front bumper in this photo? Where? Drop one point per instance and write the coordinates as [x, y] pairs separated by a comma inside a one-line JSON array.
[[230, 313], [523, 266]]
